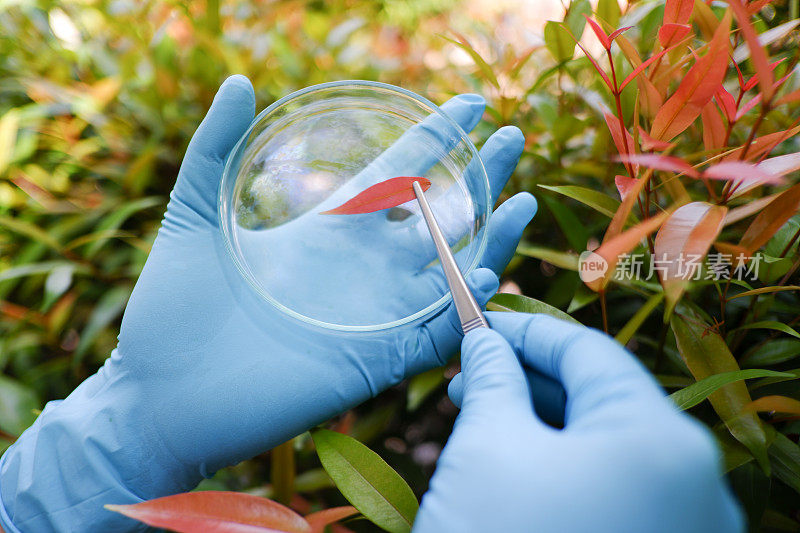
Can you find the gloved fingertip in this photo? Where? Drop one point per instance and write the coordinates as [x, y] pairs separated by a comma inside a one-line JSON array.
[[455, 390], [524, 207], [513, 139], [483, 283]]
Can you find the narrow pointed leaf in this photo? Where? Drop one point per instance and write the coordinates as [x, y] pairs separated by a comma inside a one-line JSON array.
[[678, 11], [623, 140], [771, 218], [565, 260], [757, 53], [383, 195], [623, 243], [368, 483], [323, 518], [594, 199], [770, 324], [224, 512], [524, 304], [705, 18], [727, 103], [681, 244], [589, 56], [706, 354], [621, 216], [695, 393], [781, 165], [598, 31], [484, 67], [764, 144], [667, 163], [776, 404], [766, 290], [749, 209], [785, 457], [696, 88], [632, 326], [648, 143], [754, 80], [616, 33], [638, 70], [713, 128], [669, 34], [624, 185], [743, 175], [793, 96]]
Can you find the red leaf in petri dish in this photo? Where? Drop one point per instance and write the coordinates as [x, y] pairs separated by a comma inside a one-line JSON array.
[[383, 195]]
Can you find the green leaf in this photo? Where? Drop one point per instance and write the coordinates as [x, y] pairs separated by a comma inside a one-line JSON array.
[[17, 225], [765, 290], [371, 485], [575, 19], [795, 374], [772, 353], [558, 41], [524, 304], [9, 126], [752, 489], [595, 199], [770, 324], [697, 392], [583, 296], [17, 406], [569, 223], [117, 217], [706, 354], [421, 386], [629, 330], [32, 269], [785, 458], [484, 67], [609, 11], [563, 260]]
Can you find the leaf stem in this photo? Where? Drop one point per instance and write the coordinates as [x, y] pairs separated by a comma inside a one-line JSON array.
[[603, 310], [282, 466]]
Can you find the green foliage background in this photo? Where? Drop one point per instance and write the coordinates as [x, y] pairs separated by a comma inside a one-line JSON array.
[[96, 112]]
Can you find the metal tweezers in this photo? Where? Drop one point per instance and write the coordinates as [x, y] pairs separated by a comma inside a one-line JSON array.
[[469, 312]]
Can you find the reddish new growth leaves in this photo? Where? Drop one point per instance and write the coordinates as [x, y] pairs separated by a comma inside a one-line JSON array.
[[383, 195], [227, 512]]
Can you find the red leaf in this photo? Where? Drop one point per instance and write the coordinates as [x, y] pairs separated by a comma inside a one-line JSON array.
[[383, 195], [320, 519], [648, 143], [743, 175], [770, 219], [624, 210], [662, 162], [757, 98], [599, 70], [617, 33], [678, 11], [670, 34], [793, 96], [756, 6], [713, 128], [757, 53], [685, 237], [616, 134], [601, 35], [624, 185], [727, 103], [641, 67], [221, 512], [696, 88], [782, 164], [752, 81]]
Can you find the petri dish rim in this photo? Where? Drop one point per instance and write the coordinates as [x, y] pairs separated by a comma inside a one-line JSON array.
[[228, 238]]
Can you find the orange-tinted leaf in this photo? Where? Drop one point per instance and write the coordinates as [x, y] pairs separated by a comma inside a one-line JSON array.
[[705, 18], [223, 512], [754, 80], [749, 209], [624, 185], [648, 143], [383, 195], [681, 244], [623, 243], [618, 32], [793, 96], [601, 35], [771, 218], [669, 34], [320, 519], [661, 162], [623, 212], [678, 11], [764, 144], [775, 404], [727, 103], [757, 98], [757, 5], [737, 253], [696, 89], [638, 70], [743, 175], [782, 164], [624, 144], [713, 128], [757, 53]]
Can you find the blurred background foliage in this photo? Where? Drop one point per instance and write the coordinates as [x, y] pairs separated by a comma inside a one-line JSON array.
[[99, 98]]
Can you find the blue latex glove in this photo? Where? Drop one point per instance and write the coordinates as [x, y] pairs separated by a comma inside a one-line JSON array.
[[206, 374], [626, 459]]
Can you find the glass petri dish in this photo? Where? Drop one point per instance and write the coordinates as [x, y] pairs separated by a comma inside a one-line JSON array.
[[313, 150]]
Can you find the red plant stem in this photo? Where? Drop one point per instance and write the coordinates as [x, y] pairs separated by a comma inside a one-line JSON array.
[[618, 101], [765, 108]]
